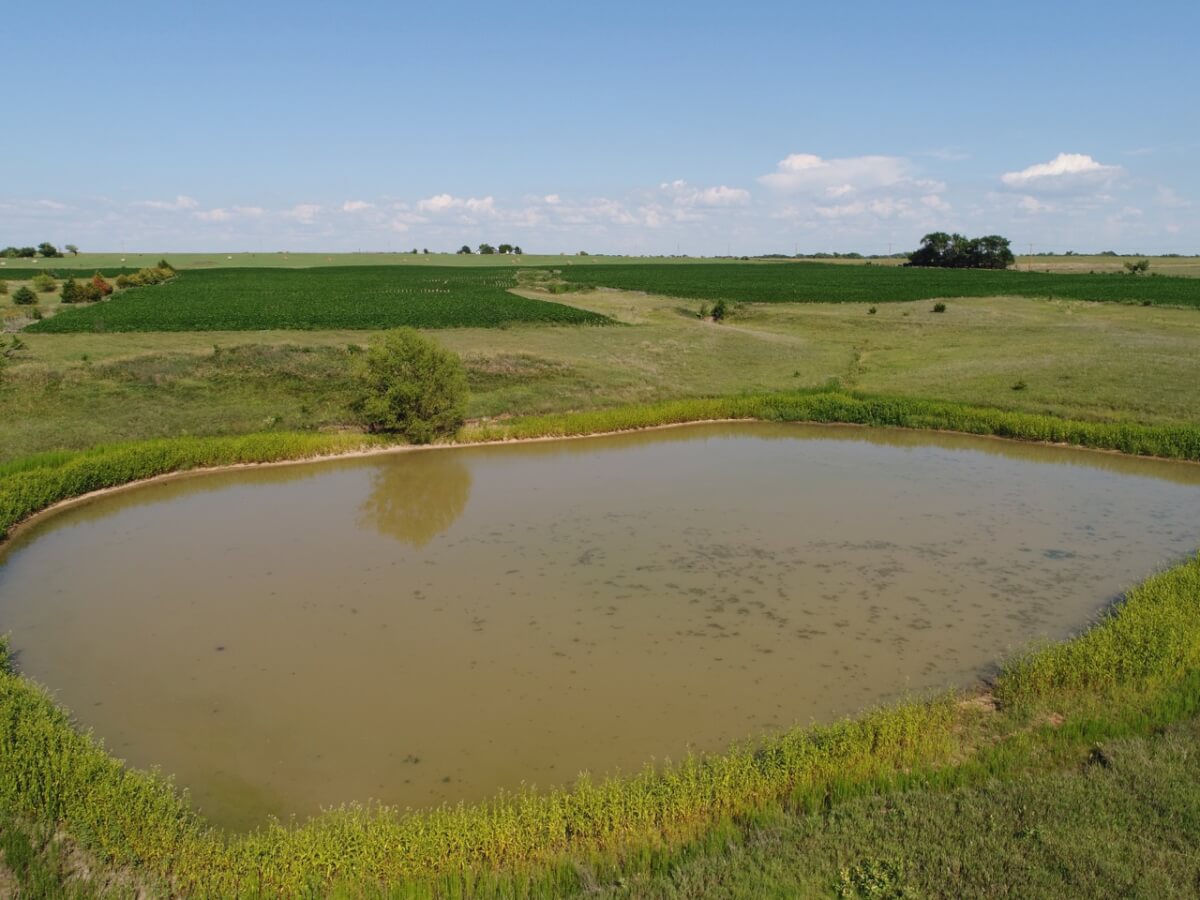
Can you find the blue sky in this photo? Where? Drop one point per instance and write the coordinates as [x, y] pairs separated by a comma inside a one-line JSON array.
[[648, 127]]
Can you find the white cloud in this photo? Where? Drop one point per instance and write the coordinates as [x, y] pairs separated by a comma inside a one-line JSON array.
[[1067, 171], [442, 203], [1168, 198], [214, 215], [51, 204], [356, 206], [807, 173], [305, 213], [180, 202], [552, 199], [1033, 205], [684, 195], [934, 202]]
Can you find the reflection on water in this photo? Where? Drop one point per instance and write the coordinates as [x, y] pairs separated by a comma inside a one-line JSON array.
[[286, 638], [416, 497]]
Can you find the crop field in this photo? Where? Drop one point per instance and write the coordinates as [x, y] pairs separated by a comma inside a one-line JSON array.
[[829, 283], [314, 299]]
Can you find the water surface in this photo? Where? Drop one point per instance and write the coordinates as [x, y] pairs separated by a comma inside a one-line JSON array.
[[435, 625]]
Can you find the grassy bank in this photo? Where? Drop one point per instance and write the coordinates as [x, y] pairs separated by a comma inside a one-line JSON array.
[[1133, 672], [33, 483]]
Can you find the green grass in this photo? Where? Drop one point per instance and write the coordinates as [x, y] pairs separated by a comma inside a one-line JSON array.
[[351, 297], [829, 283]]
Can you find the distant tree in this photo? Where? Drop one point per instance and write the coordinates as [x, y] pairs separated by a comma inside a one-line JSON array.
[[954, 251], [425, 251], [517, 251], [26, 252], [486, 249], [72, 249], [48, 250], [414, 251], [165, 266], [505, 248], [10, 253], [464, 250], [1137, 268], [23, 296]]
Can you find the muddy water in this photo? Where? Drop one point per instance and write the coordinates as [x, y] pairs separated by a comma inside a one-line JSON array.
[[435, 625]]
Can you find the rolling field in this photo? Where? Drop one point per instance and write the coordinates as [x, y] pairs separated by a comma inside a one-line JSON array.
[[830, 283], [314, 299]]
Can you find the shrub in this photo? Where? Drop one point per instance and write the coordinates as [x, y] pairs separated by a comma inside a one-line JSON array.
[[123, 281], [70, 291], [409, 385], [89, 293], [3, 287], [872, 311], [101, 285], [939, 307], [719, 311], [44, 283], [24, 297]]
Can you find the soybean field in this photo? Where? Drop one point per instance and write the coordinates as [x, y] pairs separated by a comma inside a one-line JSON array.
[[358, 297], [784, 282]]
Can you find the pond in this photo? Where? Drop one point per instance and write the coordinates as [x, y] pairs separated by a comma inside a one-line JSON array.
[[436, 625]]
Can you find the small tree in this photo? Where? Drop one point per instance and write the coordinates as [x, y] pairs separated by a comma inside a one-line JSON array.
[[44, 283], [1137, 268], [70, 291], [48, 250], [23, 296], [101, 285], [464, 250], [486, 249], [72, 249], [505, 248], [409, 385], [517, 251]]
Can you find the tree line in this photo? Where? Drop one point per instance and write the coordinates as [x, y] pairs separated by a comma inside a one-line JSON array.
[[44, 249], [954, 251]]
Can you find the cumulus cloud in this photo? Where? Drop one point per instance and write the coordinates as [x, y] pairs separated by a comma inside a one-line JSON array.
[[305, 213], [221, 214], [182, 201], [808, 173], [356, 206], [1066, 172], [443, 203], [684, 194]]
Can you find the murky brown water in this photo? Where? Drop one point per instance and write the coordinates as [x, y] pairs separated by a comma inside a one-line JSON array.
[[439, 624]]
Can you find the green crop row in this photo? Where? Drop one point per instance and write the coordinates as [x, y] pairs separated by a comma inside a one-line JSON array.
[[352, 297], [829, 283]]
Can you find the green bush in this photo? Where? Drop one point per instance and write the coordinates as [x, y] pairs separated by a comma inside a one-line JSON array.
[[409, 385], [44, 283], [24, 297]]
